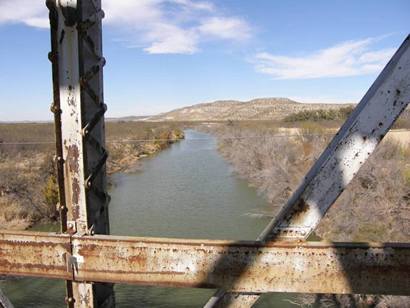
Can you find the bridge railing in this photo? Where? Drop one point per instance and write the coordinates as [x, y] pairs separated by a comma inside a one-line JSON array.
[[280, 260], [246, 266]]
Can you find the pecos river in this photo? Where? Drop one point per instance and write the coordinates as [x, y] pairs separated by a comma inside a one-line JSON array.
[[187, 191]]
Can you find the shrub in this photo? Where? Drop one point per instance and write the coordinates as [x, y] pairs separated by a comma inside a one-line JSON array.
[[374, 205], [50, 191], [320, 114]]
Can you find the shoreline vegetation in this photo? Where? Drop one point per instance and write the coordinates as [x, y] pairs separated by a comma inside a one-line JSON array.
[[28, 186], [375, 205], [274, 157]]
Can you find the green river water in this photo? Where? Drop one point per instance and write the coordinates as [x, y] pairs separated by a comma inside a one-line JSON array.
[[186, 191]]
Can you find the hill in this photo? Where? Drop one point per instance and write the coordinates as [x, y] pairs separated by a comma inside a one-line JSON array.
[[256, 109]]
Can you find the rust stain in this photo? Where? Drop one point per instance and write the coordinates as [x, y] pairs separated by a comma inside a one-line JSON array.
[[297, 267], [298, 212], [138, 260], [75, 190], [73, 156], [73, 163]]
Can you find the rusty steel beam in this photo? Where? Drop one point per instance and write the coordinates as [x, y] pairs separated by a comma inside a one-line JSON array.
[[243, 266], [35, 254], [339, 163], [76, 56]]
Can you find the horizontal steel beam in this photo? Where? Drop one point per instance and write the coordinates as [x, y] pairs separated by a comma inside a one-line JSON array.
[[304, 267], [34, 254]]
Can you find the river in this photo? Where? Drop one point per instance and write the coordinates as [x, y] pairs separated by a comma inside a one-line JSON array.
[[187, 191]]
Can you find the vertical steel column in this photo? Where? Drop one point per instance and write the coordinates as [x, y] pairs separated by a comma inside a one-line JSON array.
[[76, 41]]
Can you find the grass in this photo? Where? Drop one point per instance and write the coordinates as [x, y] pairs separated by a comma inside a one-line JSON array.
[[28, 189]]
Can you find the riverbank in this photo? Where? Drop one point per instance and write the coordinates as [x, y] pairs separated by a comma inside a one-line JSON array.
[[126, 153], [28, 189], [375, 205]]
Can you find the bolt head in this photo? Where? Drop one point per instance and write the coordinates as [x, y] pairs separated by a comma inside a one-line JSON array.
[[69, 299]]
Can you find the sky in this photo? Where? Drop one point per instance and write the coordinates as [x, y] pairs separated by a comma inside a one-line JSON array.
[[165, 54]]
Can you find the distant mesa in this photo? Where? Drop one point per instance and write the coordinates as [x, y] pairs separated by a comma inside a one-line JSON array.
[[275, 108]]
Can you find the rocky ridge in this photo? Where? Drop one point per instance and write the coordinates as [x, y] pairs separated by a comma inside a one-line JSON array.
[[256, 109]]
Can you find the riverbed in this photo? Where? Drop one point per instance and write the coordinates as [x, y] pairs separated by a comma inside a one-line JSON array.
[[187, 191]]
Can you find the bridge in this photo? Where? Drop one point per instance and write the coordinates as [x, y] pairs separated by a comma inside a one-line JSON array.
[[280, 260]]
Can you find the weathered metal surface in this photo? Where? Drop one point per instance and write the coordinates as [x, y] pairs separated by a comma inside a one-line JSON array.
[[66, 63], [56, 110], [93, 107], [79, 118], [275, 267], [34, 254], [4, 301], [350, 148]]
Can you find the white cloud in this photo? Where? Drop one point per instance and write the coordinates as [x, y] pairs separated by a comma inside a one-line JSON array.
[[173, 26], [225, 28], [156, 26], [30, 12], [201, 5], [350, 58], [168, 38]]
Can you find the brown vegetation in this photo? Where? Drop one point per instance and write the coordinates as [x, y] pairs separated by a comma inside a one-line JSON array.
[[374, 207], [130, 141], [28, 189]]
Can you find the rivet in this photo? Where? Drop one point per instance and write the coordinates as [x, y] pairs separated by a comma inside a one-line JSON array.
[[69, 299]]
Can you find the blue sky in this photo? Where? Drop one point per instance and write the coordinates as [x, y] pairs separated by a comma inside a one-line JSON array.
[[164, 54]]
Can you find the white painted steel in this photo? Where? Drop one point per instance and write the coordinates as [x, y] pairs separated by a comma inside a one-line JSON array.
[[72, 142]]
